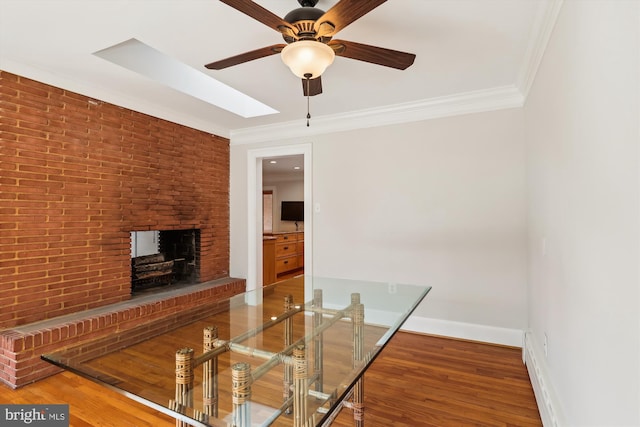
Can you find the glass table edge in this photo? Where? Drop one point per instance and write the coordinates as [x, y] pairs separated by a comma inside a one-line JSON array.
[[329, 416], [146, 402], [385, 340]]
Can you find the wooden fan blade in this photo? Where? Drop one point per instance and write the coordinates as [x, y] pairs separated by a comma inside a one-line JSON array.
[[315, 86], [261, 14], [343, 14], [246, 57], [373, 54]]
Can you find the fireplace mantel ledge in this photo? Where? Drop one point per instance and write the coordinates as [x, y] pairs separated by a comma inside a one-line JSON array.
[[21, 346], [162, 294]]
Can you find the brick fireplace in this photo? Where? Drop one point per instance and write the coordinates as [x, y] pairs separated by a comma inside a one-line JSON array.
[[165, 258], [77, 175]]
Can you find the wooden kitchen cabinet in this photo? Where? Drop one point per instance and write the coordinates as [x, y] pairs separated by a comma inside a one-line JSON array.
[[289, 254], [268, 260]]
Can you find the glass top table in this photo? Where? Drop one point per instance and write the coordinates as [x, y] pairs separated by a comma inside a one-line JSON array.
[[290, 354]]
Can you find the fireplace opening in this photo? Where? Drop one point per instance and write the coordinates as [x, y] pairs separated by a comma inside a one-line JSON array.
[[164, 258]]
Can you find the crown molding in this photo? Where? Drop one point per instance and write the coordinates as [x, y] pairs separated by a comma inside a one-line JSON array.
[[538, 40], [464, 103], [512, 96]]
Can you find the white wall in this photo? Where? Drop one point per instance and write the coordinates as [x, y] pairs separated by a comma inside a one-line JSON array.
[[439, 202], [442, 202], [582, 149], [292, 190]]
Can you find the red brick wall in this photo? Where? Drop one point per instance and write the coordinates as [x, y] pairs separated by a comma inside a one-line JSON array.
[[76, 176]]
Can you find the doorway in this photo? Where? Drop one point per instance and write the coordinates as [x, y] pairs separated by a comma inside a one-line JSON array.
[[256, 159], [283, 218]]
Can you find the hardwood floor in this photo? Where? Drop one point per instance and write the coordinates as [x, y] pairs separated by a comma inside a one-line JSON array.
[[417, 380], [432, 381], [90, 404]]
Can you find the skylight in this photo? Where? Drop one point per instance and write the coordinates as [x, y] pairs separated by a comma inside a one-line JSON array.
[[149, 62]]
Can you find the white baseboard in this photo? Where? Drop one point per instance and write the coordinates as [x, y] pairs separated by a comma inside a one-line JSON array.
[[468, 331], [548, 405]]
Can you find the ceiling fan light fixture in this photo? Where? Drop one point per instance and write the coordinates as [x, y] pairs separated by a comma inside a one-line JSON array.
[[307, 57]]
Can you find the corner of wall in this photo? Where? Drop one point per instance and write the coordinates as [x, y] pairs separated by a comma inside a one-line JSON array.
[[539, 37]]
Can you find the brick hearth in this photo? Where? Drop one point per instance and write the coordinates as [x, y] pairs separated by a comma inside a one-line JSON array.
[[149, 315]]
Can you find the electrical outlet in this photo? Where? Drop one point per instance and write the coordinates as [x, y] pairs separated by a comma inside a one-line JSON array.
[[393, 288], [545, 345]]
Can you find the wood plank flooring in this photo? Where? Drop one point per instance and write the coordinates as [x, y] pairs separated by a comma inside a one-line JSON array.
[[423, 380], [417, 380]]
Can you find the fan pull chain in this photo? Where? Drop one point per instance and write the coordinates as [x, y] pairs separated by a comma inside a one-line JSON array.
[[308, 76]]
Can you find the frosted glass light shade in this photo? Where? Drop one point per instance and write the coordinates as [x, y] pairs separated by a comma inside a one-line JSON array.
[[307, 57]]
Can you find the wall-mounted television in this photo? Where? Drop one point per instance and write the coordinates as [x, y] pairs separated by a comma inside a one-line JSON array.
[[292, 211]]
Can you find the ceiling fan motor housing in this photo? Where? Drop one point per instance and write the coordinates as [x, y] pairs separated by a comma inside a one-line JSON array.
[[310, 29], [308, 3], [303, 19]]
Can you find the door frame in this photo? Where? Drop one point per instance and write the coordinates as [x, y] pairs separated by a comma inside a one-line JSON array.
[[254, 208]]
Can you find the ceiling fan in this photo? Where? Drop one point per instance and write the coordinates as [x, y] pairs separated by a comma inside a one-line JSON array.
[[308, 33]]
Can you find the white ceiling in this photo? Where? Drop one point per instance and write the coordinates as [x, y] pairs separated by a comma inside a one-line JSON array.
[[285, 168], [466, 49]]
